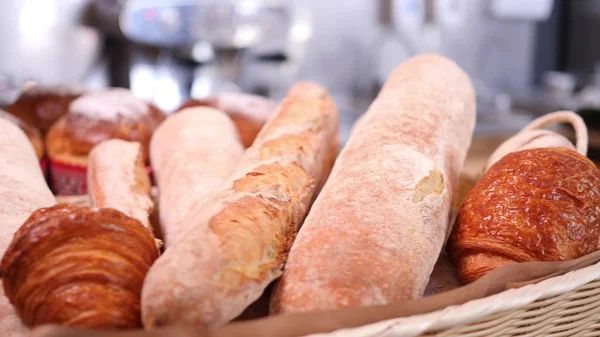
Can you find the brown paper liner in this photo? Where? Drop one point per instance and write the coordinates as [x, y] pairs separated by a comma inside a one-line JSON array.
[[295, 325]]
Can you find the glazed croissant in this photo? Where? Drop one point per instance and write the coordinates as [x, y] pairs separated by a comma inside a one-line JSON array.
[[78, 266], [532, 205]]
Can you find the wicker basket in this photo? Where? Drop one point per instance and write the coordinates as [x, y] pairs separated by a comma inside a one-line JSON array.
[[567, 305]]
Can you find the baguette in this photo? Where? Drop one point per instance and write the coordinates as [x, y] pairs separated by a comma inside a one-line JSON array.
[[237, 242], [117, 178], [248, 112], [192, 153], [376, 230], [22, 191]]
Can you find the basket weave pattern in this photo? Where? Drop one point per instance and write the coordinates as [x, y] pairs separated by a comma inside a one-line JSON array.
[[566, 305], [575, 313]]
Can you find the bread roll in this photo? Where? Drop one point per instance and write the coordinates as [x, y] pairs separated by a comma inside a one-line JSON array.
[[117, 178], [237, 242], [248, 112], [377, 228], [22, 190], [92, 119], [42, 105], [78, 266], [192, 153], [532, 205]]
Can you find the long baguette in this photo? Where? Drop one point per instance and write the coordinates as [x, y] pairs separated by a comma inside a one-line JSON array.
[[22, 191], [118, 179], [236, 243], [376, 230], [192, 152]]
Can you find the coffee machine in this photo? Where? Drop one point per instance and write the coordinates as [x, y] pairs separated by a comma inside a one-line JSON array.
[[179, 49]]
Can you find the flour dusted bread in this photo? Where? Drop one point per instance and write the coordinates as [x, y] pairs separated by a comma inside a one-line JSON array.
[[377, 228], [237, 242], [31, 132], [192, 153], [117, 178], [248, 112], [93, 118], [22, 191], [99, 116]]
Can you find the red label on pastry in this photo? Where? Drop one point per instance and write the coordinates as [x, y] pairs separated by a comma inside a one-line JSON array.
[[44, 165], [68, 179]]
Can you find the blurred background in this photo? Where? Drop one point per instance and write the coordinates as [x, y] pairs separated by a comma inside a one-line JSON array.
[[526, 58]]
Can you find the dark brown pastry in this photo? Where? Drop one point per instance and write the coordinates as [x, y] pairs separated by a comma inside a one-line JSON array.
[[93, 118], [78, 266], [532, 205], [248, 112], [42, 105]]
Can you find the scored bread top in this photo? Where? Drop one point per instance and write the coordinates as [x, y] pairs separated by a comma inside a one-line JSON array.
[[100, 116], [109, 105], [237, 242]]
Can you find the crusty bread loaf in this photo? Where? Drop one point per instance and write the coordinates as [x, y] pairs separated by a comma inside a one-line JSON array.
[[192, 152], [237, 242], [99, 116], [377, 228], [248, 112], [117, 178], [22, 191]]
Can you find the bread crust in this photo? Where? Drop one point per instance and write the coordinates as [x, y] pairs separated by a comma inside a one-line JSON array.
[[377, 228], [73, 136], [248, 112], [238, 241], [42, 105], [32, 133], [22, 191], [532, 205], [117, 178], [192, 153]]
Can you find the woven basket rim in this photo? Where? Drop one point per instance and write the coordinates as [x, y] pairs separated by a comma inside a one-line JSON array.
[[474, 310]]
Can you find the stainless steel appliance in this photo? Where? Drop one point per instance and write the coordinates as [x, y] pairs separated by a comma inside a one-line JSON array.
[[197, 48]]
